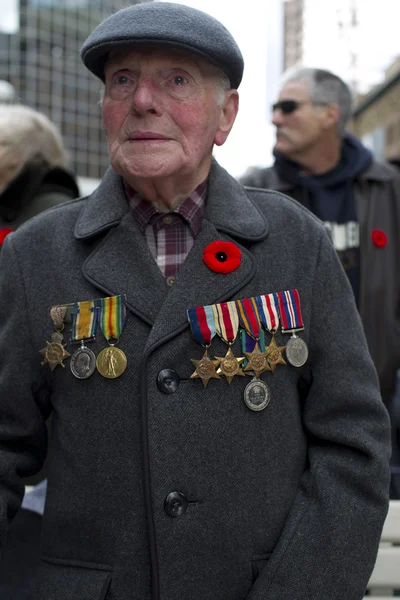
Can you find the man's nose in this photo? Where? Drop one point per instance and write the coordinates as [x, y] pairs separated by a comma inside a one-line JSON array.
[[277, 117], [145, 98]]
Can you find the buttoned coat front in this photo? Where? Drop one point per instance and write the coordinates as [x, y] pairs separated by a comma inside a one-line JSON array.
[[286, 503]]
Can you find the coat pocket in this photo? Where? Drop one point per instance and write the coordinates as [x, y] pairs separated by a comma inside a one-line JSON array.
[[61, 580], [258, 563]]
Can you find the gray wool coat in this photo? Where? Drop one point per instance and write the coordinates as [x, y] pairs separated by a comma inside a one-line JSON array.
[[283, 504]]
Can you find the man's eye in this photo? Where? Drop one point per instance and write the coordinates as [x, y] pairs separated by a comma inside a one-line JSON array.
[[179, 80], [121, 80]]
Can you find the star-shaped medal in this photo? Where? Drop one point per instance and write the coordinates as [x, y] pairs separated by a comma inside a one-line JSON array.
[[230, 365], [54, 352], [257, 361], [205, 368], [274, 354]]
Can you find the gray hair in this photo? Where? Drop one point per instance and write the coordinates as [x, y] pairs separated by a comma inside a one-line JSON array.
[[325, 88], [27, 136]]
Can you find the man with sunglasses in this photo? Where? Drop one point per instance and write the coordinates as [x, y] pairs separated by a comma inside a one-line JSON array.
[[334, 175]]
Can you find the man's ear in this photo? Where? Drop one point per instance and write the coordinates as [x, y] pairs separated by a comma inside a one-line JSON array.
[[227, 118], [331, 116]]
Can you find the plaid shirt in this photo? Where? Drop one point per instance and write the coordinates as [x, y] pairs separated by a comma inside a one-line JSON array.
[[169, 236]]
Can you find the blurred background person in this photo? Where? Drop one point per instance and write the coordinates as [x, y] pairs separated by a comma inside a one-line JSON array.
[[33, 165], [329, 171], [33, 177]]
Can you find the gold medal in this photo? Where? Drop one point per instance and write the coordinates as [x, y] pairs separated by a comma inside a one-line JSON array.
[[274, 354], [111, 362], [230, 365], [205, 368], [257, 361]]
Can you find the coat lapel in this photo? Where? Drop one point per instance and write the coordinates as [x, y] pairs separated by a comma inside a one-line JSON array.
[[122, 262]]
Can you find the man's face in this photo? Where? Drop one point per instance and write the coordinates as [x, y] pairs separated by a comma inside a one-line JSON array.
[[161, 113], [298, 131]]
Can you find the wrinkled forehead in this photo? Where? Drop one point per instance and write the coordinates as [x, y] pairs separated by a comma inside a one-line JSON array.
[[157, 55]]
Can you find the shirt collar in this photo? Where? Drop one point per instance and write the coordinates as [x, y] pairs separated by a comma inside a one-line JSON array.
[[191, 209]]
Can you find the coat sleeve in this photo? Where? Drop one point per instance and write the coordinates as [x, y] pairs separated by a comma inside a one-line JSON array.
[[329, 543], [23, 397]]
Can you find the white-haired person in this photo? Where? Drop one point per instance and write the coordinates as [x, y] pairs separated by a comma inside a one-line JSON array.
[[33, 166]]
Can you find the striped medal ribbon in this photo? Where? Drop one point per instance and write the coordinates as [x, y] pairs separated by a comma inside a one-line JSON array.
[[268, 309], [202, 325], [292, 321], [249, 320], [83, 361], [111, 313], [227, 325]]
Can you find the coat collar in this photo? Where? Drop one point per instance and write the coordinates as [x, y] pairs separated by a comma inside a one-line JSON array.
[[122, 264], [227, 206]]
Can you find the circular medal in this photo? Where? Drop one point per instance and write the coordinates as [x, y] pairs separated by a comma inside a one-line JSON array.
[[111, 362], [83, 363], [296, 351], [257, 395]]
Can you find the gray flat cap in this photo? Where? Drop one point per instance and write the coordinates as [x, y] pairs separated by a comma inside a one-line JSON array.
[[167, 24]]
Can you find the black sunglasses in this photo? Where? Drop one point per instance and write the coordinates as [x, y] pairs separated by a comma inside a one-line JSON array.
[[289, 106], [286, 106]]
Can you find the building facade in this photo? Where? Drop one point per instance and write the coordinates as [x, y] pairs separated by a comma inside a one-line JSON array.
[[376, 118], [39, 56]]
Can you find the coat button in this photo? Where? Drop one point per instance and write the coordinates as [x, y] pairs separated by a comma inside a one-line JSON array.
[[168, 381], [175, 504]]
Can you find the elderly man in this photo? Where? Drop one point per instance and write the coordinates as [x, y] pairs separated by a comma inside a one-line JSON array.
[[330, 172], [154, 489]]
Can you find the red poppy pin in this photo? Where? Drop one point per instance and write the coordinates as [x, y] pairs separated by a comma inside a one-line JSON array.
[[379, 238], [222, 257], [4, 231]]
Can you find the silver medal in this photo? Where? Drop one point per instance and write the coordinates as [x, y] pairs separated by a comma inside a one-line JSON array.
[[83, 363], [296, 351], [257, 394]]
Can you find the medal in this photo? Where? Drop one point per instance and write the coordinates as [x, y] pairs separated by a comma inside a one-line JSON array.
[[274, 354], [83, 361], [202, 325], [227, 325], [54, 351], [296, 351], [268, 311], [250, 321], [292, 321], [111, 362], [257, 395], [255, 353]]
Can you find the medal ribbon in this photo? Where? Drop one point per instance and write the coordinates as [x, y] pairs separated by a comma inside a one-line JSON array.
[[84, 320], [202, 324], [290, 310], [111, 316], [226, 321], [249, 317], [268, 310]]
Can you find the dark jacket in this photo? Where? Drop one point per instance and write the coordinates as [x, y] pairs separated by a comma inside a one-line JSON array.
[[35, 189], [377, 194], [279, 502]]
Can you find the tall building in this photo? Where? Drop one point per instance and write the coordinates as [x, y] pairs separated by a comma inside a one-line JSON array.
[[39, 55], [292, 33], [343, 36]]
